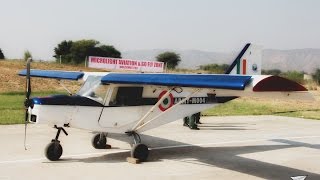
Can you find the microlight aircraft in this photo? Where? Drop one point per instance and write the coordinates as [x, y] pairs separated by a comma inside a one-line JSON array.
[[127, 104]]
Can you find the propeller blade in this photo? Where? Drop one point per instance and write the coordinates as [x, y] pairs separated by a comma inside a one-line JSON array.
[[25, 129], [28, 82], [27, 101]]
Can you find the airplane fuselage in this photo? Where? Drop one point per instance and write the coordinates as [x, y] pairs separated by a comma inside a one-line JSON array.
[[122, 107]]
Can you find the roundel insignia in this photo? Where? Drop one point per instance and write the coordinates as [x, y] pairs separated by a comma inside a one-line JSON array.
[[167, 102], [254, 67]]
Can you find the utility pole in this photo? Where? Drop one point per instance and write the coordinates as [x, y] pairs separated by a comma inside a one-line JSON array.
[[166, 67]]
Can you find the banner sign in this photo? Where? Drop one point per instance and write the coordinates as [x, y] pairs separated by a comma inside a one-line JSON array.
[[125, 64]]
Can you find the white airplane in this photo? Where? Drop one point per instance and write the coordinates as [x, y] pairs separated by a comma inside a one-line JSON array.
[[127, 104]]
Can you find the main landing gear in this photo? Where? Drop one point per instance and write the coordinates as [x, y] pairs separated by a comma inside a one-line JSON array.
[[54, 150], [139, 151], [99, 141]]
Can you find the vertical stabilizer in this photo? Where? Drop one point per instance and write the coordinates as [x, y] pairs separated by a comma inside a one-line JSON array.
[[248, 61]]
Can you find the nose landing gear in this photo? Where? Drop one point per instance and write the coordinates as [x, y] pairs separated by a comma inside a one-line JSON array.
[[54, 150]]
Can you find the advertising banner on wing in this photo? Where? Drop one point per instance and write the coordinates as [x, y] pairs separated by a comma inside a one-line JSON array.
[[125, 64]]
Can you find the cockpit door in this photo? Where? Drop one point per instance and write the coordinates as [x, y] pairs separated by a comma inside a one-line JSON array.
[[89, 115]]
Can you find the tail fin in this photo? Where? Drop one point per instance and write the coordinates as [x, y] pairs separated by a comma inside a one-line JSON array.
[[248, 61]]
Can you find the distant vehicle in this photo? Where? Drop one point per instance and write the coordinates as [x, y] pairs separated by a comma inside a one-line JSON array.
[[123, 105]]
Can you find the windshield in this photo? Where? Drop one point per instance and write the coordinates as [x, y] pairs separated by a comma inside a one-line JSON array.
[[93, 89]]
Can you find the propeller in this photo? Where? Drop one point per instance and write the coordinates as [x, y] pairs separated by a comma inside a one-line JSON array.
[[27, 102]]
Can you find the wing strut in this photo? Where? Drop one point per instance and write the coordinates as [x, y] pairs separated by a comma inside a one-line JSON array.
[[64, 87], [140, 122], [141, 125]]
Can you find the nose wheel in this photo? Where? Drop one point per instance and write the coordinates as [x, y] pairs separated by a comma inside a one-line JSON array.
[[54, 150]]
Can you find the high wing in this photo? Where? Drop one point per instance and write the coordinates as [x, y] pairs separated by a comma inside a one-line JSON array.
[[258, 83], [180, 80], [61, 75], [66, 75]]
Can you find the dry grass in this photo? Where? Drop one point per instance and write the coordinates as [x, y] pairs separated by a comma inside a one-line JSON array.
[[255, 106], [11, 82]]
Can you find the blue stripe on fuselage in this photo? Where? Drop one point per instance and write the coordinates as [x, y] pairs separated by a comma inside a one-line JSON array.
[[66, 100]]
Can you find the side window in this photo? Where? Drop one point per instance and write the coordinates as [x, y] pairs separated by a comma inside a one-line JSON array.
[[128, 96], [98, 93]]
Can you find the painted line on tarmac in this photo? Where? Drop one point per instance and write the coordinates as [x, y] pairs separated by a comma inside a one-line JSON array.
[[155, 148]]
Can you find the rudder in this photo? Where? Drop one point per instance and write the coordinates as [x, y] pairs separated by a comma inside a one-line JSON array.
[[248, 61]]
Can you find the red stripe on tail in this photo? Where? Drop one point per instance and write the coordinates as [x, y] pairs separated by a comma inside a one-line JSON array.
[[244, 66]]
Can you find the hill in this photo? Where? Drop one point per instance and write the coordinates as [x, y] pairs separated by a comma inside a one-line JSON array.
[[306, 60], [300, 59], [191, 59]]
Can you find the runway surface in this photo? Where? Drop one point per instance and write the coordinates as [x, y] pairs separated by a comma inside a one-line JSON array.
[[237, 147]]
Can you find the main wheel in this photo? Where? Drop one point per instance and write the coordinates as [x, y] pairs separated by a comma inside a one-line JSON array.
[[99, 142], [53, 151], [192, 122], [140, 151]]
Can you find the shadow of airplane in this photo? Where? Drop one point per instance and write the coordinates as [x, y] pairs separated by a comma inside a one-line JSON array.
[[222, 157]]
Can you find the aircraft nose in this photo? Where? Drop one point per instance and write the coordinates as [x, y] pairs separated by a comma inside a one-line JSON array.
[[29, 103]]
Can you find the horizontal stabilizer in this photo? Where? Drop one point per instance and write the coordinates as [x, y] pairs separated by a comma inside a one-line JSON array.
[[233, 82], [67, 75], [276, 83]]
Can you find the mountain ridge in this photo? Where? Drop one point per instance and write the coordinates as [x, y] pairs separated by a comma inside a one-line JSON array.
[[306, 60]]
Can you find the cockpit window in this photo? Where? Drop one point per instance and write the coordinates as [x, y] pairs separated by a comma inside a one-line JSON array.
[[93, 89], [127, 96]]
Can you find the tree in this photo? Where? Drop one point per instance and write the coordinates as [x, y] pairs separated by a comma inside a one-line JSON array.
[[172, 59], [63, 51], [275, 72], [1, 55], [27, 54], [76, 52], [215, 68], [316, 76], [107, 51], [81, 49]]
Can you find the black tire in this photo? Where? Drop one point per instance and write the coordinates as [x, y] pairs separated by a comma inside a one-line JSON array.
[[192, 122], [186, 121], [53, 151], [140, 151], [99, 143]]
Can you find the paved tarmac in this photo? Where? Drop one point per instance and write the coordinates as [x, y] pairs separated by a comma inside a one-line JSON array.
[[238, 147]]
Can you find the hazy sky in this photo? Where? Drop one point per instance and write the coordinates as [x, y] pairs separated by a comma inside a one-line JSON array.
[[210, 25]]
